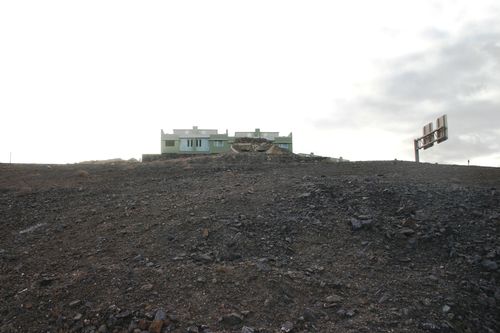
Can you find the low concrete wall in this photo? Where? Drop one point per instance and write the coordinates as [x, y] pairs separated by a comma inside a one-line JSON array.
[[162, 157]]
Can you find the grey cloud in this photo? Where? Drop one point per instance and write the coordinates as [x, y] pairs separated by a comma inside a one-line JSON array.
[[461, 148], [462, 68], [452, 79]]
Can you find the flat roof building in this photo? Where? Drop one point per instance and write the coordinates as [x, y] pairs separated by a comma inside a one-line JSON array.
[[209, 141]]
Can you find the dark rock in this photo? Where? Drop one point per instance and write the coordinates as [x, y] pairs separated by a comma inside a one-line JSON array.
[[262, 266], [231, 319], [346, 313], [204, 329], [173, 317], [102, 329], [309, 315], [356, 224], [132, 326], [333, 299], [203, 257], [46, 281], [489, 265], [123, 314]]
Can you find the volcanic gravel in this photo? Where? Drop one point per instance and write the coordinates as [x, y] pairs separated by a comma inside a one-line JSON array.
[[249, 243]]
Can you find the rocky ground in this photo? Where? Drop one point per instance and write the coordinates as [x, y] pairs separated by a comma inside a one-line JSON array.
[[249, 243]]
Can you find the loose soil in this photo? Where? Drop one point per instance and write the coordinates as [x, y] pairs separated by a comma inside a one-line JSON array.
[[249, 243]]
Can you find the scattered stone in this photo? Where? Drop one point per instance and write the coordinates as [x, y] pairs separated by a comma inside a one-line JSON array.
[[149, 315], [46, 281], [489, 265], [357, 224], [132, 326], [350, 313], [333, 299], [102, 329], [407, 232], [287, 327], [346, 313], [262, 265], [74, 303], [147, 287], [156, 326], [192, 329], [426, 302], [173, 317], [160, 314], [143, 324], [203, 257], [431, 327], [78, 316], [383, 298], [309, 315], [123, 314], [247, 329], [231, 319], [446, 308]]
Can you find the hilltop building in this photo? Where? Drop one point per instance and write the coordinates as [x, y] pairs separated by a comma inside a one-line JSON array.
[[209, 141]]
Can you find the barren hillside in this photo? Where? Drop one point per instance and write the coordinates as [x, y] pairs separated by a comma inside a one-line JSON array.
[[249, 243]]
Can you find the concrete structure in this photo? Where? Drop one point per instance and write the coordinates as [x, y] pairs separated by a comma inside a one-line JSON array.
[[209, 141]]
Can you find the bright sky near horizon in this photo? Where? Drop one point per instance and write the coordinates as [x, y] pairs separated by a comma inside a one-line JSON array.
[[88, 80]]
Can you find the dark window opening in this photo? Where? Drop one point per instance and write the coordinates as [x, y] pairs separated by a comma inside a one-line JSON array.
[[169, 143]]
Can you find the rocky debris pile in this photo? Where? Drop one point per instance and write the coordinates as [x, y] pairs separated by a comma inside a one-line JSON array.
[[259, 145], [250, 243]]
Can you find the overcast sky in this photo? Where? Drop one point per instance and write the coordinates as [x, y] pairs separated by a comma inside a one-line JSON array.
[[86, 80]]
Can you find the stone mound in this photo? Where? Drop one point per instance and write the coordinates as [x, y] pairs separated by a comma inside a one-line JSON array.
[[259, 145]]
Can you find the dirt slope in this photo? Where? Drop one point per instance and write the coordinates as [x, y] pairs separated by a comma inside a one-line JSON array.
[[249, 243]]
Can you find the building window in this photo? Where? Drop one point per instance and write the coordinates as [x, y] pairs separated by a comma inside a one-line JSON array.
[[169, 143], [218, 143], [194, 142], [283, 145]]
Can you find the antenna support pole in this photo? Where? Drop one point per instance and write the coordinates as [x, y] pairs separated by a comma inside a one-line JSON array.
[[415, 145]]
